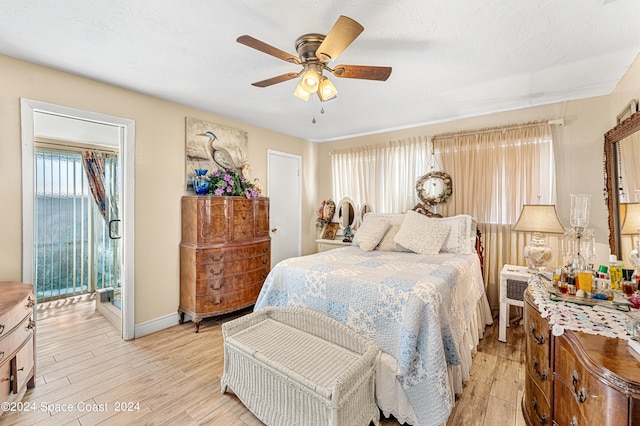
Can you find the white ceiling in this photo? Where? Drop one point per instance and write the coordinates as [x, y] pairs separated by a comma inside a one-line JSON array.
[[450, 58]]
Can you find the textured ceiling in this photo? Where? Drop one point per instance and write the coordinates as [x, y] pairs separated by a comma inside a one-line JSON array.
[[450, 59]]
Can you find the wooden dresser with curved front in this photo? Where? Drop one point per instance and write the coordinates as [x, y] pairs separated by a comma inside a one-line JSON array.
[[17, 362], [577, 379], [225, 254]]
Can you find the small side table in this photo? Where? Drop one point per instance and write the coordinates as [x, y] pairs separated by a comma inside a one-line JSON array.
[[324, 245], [513, 282]]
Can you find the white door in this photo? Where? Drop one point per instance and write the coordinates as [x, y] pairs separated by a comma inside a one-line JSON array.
[[285, 205]]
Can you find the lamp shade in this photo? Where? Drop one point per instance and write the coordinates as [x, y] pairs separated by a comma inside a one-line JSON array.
[[539, 218], [301, 93], [327, 90], [310, 80], [631, 218]]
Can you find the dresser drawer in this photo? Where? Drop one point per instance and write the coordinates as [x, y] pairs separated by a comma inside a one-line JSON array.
[[214, 271], [225, 254], [220, 302], [25, 363], [232, 282], [22, 332], [535, 404], [5, 380], [538, 350], [583, 395], [14, 316]]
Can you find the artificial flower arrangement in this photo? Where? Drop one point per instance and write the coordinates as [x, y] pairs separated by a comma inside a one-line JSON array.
[[231, 182], [326, 211]]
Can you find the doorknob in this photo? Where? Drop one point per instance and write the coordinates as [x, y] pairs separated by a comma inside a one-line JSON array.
[[274, 229]]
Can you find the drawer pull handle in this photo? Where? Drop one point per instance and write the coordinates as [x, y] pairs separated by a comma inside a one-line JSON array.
[[216, 300], [574, 421], [30, 302], [264, 261], [542, 419], [541, 375], [1, 355], [214, 272], [539, 339], [31, 324], [217, 285], [265, 249], [213, 258], [580, 395], [1, 328]]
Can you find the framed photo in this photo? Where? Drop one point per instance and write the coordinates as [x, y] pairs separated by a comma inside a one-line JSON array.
[[330, 230]]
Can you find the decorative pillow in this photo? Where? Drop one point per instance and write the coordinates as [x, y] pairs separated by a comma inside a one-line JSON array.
[[395, 221], [422, 234], [459, 236], [370, 233]]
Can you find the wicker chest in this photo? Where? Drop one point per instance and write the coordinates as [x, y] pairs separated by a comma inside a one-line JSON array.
[[294, 366]]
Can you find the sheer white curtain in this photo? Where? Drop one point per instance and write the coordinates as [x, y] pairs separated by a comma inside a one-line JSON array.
[[495, 172], [385, 175]]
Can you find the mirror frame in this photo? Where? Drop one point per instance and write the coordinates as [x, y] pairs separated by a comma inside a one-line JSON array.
[[611, 138], [447, 189], [352, 204]]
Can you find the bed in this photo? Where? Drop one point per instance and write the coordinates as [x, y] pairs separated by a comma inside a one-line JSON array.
[[425, 309]]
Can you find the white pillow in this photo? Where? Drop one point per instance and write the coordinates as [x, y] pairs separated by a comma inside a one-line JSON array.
[[395, 221], [370, 233], [422, 234], [460, 234]]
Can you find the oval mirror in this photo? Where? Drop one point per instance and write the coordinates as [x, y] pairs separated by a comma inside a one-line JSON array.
[[365, 208], [346, 212], [434, 188]]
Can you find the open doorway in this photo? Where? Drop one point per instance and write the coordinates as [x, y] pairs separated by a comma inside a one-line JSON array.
[[74, 141]]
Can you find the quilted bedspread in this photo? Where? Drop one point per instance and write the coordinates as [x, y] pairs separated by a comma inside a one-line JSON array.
[[414, 307]]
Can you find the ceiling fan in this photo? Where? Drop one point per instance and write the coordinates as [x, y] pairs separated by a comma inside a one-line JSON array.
[[315, 51]]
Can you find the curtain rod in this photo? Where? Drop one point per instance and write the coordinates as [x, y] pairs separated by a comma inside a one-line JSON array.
[[557, 122]]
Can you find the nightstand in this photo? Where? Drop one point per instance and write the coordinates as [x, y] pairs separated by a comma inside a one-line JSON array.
[[324, 245], [513, 282]]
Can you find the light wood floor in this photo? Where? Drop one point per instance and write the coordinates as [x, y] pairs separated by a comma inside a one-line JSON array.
[[174, 375]]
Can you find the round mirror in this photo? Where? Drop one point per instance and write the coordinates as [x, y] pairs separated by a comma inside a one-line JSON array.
[[346, 212], [434, 188], [326, 211]]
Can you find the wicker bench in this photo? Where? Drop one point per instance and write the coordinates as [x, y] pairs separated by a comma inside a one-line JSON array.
[[294, 366]]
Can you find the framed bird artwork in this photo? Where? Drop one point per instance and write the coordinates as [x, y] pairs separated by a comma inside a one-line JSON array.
[[210, 146]]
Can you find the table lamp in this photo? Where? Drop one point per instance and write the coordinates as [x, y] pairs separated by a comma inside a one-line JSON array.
[[631, 226], [539, 219]]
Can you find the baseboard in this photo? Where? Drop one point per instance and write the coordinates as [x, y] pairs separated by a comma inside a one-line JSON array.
[[156, 324]]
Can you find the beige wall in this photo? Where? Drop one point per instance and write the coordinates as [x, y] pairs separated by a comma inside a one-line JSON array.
[[160, 140], [160, 163], [579, 147]]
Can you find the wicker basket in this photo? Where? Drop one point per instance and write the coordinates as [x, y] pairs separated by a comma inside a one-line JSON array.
[[294, 366]]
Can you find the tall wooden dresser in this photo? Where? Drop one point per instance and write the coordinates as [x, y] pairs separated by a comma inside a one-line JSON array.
[[225, 254], [17, 361]]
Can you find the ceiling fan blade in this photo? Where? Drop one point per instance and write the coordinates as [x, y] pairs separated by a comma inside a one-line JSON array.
[[339, 37], [254, 43], [364, 72], [275, 80]]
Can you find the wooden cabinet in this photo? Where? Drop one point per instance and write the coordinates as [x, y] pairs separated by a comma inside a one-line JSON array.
[[577, 378], [225, 254], [17, 362]]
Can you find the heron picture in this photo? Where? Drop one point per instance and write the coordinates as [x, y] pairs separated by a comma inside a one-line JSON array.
[[211, 146]]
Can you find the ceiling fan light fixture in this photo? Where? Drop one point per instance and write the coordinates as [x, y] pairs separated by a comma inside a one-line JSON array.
[[301, 93], [326, 90], [311, 79]]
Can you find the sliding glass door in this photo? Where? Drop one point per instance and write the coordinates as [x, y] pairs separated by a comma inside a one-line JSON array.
[[76, 241]]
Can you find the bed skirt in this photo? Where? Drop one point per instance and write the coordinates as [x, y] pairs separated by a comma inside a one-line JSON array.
[[390, 396]]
